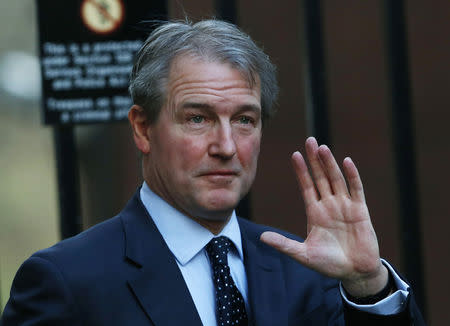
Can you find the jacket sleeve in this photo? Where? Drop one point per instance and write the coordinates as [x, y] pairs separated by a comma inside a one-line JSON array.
[[409, 316], [39, 296]]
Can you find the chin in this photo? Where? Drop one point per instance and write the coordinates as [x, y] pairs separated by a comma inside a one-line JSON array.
[[219, 208], [224, 200], [221, 217], [217, 204]]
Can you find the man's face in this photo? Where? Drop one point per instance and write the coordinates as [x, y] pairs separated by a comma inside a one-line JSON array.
[[205, 144]]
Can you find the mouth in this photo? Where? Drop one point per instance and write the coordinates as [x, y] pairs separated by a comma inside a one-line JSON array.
[[220, 173], [220, 177]]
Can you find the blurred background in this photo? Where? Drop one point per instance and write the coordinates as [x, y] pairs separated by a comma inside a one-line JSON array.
[[342, 61]]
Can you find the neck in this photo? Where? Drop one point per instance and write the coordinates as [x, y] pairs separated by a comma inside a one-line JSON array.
[[212, 225], [213, 221]]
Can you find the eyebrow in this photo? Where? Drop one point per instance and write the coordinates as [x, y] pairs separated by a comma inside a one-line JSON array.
[[205, 106]]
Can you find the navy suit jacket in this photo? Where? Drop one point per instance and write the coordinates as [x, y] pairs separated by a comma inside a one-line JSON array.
[[121, 272]]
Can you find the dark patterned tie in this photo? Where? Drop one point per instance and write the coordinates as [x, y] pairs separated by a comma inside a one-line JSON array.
[[230, 306]]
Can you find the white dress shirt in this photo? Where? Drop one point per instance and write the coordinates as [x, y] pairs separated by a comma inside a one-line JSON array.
[[186, 239]]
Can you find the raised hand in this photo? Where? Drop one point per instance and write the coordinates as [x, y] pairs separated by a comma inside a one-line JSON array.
[[341, 242]]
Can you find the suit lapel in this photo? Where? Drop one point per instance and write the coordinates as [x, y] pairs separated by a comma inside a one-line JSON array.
[[266, 285], [158, 285]]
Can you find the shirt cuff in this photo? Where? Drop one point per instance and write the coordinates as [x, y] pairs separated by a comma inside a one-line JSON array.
[[390, 305]]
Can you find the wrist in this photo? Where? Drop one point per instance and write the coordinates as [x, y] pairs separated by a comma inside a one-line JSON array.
[[368, 284], [374, 298]]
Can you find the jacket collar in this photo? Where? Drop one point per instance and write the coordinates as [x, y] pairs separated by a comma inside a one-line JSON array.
[[158, 273], [266, 285]]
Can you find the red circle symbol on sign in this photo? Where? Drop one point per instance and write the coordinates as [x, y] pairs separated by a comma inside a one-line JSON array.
[[102, 16]]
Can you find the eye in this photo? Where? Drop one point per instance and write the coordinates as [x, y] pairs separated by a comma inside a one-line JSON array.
[[197, 119], [245, 120]]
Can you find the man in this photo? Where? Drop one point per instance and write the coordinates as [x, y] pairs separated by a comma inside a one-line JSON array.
[[177, 254]]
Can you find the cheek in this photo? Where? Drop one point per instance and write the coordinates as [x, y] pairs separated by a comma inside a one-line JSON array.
[[249, 152], [189, 152]]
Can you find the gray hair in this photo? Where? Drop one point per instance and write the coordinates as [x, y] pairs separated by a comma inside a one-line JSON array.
[[210, 39]]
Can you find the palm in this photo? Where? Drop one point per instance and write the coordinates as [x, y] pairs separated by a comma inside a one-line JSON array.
[[339, 236], [340, 242]]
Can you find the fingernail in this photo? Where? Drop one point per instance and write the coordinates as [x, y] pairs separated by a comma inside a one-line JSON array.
[[324, 147]]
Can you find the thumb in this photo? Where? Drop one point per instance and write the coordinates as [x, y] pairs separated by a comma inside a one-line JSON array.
[[292, 248]]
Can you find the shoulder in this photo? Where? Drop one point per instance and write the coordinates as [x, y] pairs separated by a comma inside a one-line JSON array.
[[96, 236], [98, 249], [53, 280], [85, 253]]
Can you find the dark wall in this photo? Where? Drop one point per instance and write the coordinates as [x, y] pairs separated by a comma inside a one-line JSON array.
[[428, 26]]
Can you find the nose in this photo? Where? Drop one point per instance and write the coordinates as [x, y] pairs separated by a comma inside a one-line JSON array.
[[222, 143]]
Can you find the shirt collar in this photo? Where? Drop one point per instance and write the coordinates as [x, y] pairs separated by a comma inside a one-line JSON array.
[[178, 229]]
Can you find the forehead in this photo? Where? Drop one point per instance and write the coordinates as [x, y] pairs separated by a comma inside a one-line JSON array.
[[191, 75]]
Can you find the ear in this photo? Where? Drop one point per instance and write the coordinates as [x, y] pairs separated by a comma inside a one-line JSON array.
[[141, 128]]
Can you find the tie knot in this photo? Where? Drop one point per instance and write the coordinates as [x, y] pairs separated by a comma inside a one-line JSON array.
[[218, 249]]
